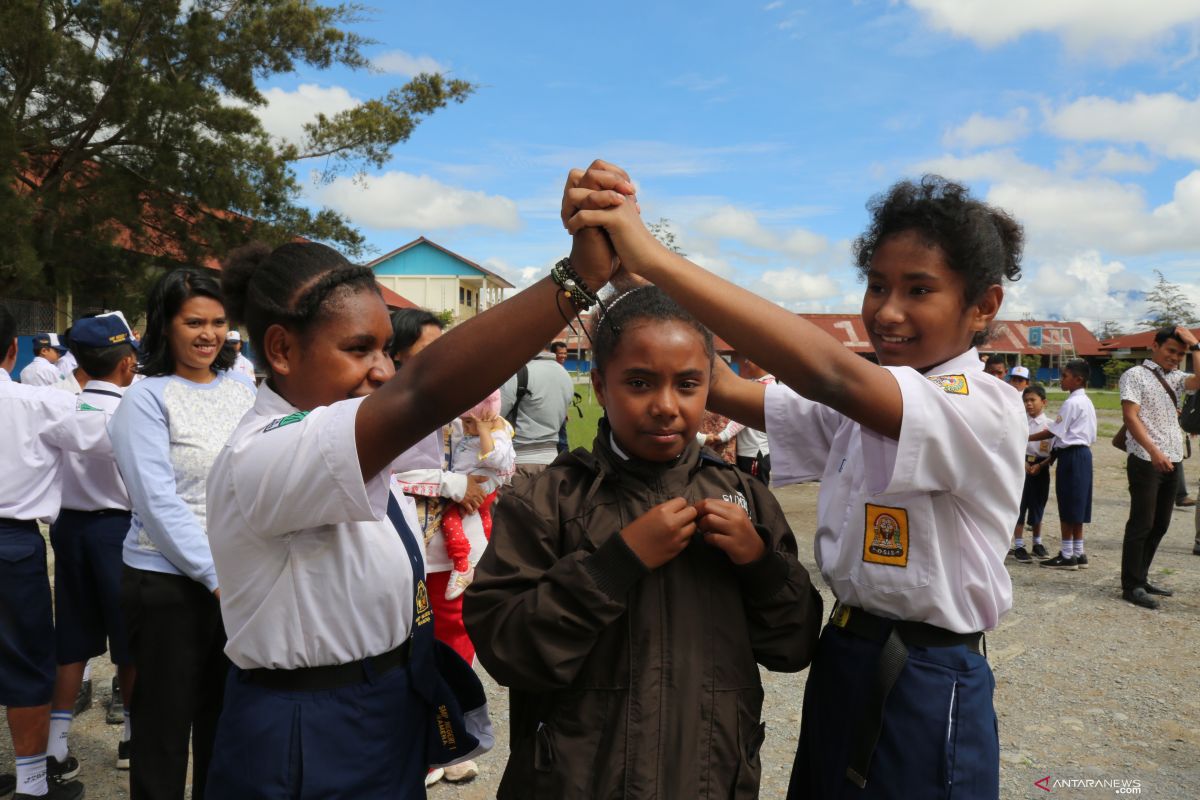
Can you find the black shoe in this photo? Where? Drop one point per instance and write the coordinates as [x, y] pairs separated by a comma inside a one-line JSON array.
[[83, 700], [61, 771], [1081, 561], [1139, 597], [1158, 590], [116, 707], [1022, 556], [72, 790], [1185, 502], [1039, 551], [1061, 562], [123, 755], [7, 784], [1196, 550]]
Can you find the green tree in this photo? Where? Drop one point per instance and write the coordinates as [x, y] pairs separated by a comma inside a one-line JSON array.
[[128, 139], [1166, 304], [662, 231], [1113, 369], [1109, 330]]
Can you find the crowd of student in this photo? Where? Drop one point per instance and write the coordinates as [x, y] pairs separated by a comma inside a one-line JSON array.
[[294, 577]]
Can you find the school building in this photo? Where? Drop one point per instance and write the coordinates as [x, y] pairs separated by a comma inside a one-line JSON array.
[[439, 279]]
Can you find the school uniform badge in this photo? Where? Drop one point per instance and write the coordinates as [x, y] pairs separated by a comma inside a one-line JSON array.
[[290, 419], [424, 611], [885, 536], [950, 384]]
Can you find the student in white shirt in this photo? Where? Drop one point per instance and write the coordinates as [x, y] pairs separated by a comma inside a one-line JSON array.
[[920, 462], [241, 364], [753, 449], [89, 533], [322, 578], [41, 427], [47, 350], [1037, 478]]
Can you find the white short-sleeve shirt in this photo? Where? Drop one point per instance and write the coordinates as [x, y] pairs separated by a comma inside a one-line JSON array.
[[1040, 448], [915, 528], [311, 570], [1076, 421]]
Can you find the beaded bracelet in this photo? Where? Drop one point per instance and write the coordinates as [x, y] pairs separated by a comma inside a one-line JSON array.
[[572, 285]]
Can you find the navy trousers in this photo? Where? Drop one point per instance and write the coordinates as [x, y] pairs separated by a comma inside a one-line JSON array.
[[362, 742], [26, 619], [939, 737], [87, 585]]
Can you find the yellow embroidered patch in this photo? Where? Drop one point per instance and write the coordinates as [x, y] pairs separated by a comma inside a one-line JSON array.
[[950, 384], [885, 536], [424, 612]]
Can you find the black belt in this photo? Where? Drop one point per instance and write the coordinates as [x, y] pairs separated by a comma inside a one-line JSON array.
[[316, 679], [896, 636], [102, 512], [1070, 447]]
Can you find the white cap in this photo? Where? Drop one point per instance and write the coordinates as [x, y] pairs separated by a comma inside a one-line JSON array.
[[1019, 372], [233, 336]]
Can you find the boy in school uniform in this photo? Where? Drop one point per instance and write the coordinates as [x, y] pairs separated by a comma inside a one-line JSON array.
[[1037, 478], [42, 371], [87, 536], [1074, 431], [41, 426]]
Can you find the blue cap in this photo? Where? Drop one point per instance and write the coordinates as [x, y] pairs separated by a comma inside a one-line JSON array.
[[44, 340], [105, 330]]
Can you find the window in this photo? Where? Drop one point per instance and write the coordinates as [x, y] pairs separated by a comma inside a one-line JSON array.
[[462, 296]]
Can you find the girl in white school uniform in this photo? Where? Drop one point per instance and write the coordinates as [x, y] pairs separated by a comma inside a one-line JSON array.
[[920, 463], [322, 579]]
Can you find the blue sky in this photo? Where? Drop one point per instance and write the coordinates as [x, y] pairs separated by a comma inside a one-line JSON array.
[[761, 129]]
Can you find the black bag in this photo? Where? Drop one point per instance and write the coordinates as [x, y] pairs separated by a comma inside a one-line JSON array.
[[1189, 417]]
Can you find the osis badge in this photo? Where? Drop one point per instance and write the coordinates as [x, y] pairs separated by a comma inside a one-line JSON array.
[[885, 536], [424, 612], [950, 384]]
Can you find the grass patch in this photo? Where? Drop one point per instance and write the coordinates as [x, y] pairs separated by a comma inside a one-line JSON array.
[[1102, 399], [581, 431]]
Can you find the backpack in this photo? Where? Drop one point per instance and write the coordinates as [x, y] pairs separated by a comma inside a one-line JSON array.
[[522, 392], [1189, 417]]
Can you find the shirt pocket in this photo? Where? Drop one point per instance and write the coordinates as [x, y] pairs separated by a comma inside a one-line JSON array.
[[891, 542]]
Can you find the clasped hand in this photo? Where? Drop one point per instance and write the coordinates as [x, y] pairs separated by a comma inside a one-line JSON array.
[[664, 531]]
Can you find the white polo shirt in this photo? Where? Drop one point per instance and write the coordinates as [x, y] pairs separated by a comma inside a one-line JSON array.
[[41, 425], [40, 372], [915, 528], [1076, 421], [91, 481], [1040, 448], [312, 572]]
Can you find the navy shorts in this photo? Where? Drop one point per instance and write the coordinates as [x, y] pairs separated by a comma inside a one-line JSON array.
[[1034, 497], [367, 741], [26, 620], [939, 724], [87, 585], [1073, 484]]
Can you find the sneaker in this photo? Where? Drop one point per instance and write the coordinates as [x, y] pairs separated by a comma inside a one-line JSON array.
[[116, 706], [462, 773], [1061, 562], [1039, 551], [1081, 560], [1022, 556], [458, 583], [433, 776], [61, 771], [83, 700], [123, 755], [8, 782], [72, 790]]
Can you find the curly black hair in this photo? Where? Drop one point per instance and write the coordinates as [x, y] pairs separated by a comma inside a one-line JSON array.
[[293, 285], [979, 241], [407, 326], [164, 301], [645, 303]]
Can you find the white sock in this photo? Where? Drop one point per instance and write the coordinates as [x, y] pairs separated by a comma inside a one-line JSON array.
[[128, 731], [31, 775], [87, 671], [1079, 547], [1018, 542], [1037, 540], [60, 728]]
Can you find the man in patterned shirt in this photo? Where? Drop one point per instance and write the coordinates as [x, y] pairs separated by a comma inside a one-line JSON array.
[[1150, 395]]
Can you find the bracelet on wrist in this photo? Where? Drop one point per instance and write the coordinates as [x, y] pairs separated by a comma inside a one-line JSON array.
[[568, 280]]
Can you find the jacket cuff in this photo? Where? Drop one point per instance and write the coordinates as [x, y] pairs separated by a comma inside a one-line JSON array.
[[615, 568], [761, 579]]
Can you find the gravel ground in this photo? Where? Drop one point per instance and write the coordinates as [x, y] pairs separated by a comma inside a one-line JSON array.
[[1088, 687]]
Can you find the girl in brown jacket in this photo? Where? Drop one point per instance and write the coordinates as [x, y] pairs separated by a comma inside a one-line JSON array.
[[629, 593]]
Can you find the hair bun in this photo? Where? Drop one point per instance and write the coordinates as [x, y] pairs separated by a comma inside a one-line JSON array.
[[239, 268]]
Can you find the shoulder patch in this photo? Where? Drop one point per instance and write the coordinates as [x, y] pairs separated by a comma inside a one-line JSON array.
[[87, 407], [950, 384], [288, 420]]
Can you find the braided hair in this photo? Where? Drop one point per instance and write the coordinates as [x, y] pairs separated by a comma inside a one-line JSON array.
[[295, 285], [642, 304]]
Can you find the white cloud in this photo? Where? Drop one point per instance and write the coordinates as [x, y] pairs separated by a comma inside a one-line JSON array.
[[773, 5], [983, 131], [1165, 123], [399, 200], [730, 222], [793, 285], [1081, 287], [286, 112], [1115, 29], [1109, 161], [398, 62]]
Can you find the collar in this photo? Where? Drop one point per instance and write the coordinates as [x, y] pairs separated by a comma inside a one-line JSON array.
[[964, 362], [104, 386], [1150, 364], [545, 356], [4, 376], [616, 448], [629, 467], [269, 403], [43, 359]]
